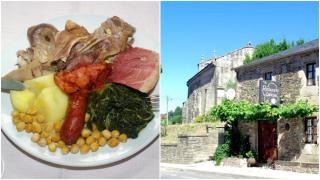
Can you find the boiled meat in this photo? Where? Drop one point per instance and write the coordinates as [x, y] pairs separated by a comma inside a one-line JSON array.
[[137, 68]]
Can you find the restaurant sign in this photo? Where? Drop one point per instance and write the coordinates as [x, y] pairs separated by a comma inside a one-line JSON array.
[[269, 92]]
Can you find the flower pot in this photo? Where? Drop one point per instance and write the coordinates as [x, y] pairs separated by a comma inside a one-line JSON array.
[[251, 162]]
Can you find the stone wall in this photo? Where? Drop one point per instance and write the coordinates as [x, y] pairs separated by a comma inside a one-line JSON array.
[[290, 143], [250, 129], [192, 148], [234, 162], [289, 72], [207, 87]]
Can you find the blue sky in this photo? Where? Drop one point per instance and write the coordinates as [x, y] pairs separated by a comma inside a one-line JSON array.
[[192, 29]]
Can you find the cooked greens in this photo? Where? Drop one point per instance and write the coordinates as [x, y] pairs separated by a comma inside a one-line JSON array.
[[119, 107]]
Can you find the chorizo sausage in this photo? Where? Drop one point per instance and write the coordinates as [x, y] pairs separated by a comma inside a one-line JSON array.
[[75, 117]]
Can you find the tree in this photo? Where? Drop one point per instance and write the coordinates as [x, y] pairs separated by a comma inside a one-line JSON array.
[[300, 42], [270, 47], [247, 59], [178, 111], [175, 117]]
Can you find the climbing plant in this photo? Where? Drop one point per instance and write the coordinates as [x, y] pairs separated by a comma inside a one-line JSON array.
[[230, 111]]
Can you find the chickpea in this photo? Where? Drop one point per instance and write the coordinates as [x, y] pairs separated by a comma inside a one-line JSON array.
[[57, 126], [87, 117], [106, 134], [85, 133], [32, 110], [48, 128], [44, 134], [65, 150], [42, 142], [56, 138], [15, 114], [96, 134], [113, 142], [115, 133], [84, 149], [102, 141], [89, 140], [39, 118], [123, 137], [52, 147], [81, 141], [20, 126], [28, 118], [21, 116], [74, 148], [16, 120], [36, 127], [28, 128], [94, 146], [61, 144], [35, 137], [94, 127], [49, 140]]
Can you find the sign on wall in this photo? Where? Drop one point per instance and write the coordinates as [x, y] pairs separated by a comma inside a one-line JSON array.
[[269, 92]]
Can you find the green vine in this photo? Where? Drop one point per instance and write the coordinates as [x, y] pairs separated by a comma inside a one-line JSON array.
[[230, 111]]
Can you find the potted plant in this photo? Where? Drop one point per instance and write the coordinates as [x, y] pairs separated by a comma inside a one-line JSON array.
[[251, 161]]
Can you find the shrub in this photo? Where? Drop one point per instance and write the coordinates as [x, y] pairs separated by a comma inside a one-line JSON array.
[[176, 119], [251, 154], [222, 151], [199, 119]]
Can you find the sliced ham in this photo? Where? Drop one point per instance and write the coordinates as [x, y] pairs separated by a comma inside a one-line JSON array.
[[137, 68]]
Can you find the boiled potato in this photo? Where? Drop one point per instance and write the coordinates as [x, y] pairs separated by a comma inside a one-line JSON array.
[[52, 104], [38, 84], [21, 100]]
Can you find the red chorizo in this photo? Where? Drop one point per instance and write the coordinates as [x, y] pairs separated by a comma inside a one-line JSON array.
[[74, 120]]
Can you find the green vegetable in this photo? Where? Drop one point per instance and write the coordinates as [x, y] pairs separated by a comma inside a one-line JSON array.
[[117, 107]]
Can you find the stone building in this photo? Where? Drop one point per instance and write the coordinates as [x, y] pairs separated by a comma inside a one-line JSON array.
[[207, 87], [296, 71]]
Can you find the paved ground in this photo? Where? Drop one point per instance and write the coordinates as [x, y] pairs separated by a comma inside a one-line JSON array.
[[208, 170], [173, 173]]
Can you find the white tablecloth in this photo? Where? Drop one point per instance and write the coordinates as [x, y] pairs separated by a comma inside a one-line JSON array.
[[16, 18]]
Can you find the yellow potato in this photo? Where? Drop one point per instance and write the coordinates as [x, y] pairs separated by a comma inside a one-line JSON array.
[[36, 85], [22, 100], [52, 104]]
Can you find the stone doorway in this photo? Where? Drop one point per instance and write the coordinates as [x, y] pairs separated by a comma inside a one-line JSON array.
[[267, 141]]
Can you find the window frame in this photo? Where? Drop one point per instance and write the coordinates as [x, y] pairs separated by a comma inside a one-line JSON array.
[[314, 130], [311, 81], [266, 76]]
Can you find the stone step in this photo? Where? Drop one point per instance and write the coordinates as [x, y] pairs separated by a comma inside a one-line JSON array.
[[308, 158]]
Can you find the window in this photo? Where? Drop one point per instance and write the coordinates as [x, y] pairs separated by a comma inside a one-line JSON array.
[[311, 130], [268, 76], [311, 74]]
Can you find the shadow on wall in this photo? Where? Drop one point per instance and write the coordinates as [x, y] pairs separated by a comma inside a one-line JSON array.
[[220, 138]]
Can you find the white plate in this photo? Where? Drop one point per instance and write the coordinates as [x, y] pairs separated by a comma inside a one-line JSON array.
[[104, 155]]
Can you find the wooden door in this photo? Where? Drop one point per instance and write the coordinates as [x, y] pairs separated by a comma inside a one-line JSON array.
[[267, 140]]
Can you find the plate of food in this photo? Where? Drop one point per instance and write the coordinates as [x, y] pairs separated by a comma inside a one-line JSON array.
[[81, 91]]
